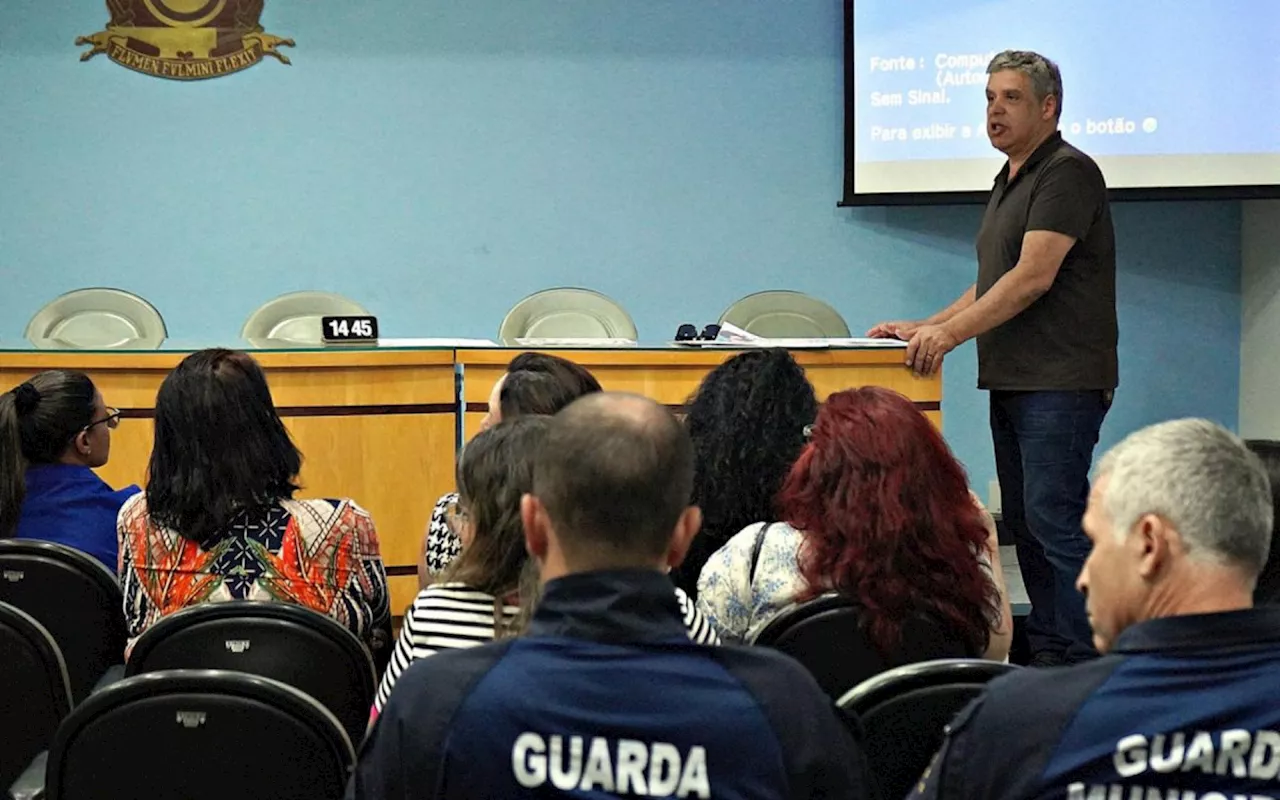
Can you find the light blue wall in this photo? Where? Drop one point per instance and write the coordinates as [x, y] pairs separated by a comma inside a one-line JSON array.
[[439, 160]]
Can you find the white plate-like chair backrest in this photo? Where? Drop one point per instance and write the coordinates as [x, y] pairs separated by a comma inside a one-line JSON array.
[[567, 313], [294, 318], [97, 319], [786, 315]]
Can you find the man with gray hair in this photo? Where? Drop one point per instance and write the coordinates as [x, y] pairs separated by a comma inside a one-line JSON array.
[[1183, 703], [1044, 313]]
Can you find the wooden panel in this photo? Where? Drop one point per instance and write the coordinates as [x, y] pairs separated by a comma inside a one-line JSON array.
[[394, 466], [671, 376], [404, 588], [130, 453]]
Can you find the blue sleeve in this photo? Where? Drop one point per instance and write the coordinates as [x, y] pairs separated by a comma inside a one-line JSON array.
[[991, 753], [378, 774], [416, 721], [944, 776], [822, 747]]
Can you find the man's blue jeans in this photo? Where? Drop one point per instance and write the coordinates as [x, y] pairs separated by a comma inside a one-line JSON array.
[[1044, 448]]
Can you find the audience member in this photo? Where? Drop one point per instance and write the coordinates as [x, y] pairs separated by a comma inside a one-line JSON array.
[[218, 520], [1267, 591], [477, 598], [486, 593], [54, 431], [559, 383], [1183, 704], [878, 509], [747, 422], [606, 695]]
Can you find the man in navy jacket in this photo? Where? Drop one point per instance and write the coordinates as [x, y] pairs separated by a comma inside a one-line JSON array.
[[606, 696], [1184, 705]]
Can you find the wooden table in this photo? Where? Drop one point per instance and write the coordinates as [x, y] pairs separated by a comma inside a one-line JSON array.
[[382, 426]]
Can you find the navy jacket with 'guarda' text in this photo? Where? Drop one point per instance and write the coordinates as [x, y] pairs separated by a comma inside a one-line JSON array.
[[607, 697]]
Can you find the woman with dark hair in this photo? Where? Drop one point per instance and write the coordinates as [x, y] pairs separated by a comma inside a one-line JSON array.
[[878, 509], [523, 393], [488, 592], [539, 384], [54, 431], [1267, 591], [476, 599], [218, 520], [747, 423]]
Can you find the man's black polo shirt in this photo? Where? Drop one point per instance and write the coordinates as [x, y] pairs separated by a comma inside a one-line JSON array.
[[1067, 338]]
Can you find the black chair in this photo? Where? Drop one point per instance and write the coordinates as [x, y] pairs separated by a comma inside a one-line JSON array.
[[197, 735], [36, 695], [72, 595], [827, 635], [905, 711], [288, 643]]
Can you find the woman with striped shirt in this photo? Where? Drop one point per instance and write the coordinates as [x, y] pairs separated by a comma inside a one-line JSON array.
[[477, 598]]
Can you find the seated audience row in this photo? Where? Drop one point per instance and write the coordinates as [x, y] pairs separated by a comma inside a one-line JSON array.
[[549, 619], [218, 519], [606, 695], [878, 509]]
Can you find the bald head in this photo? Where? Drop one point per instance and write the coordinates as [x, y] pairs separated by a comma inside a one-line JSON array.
[[614, 476]]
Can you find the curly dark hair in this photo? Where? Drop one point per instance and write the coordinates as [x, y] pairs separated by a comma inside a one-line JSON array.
[[747, 423]]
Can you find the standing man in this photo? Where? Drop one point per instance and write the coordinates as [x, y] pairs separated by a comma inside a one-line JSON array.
[[1044, 313]]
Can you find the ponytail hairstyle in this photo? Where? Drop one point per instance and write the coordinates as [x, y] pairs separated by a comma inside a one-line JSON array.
[[39, 419]]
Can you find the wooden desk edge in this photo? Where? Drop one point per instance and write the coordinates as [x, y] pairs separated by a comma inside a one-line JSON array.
[[276, 359], [690, 357]]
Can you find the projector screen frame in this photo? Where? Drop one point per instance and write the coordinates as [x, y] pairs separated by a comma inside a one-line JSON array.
[[851, 199]]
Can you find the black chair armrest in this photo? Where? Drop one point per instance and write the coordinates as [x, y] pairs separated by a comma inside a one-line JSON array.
[[30, 784], [114, 674]]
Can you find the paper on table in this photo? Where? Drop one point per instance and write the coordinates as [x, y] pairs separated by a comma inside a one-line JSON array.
[[732, 336]]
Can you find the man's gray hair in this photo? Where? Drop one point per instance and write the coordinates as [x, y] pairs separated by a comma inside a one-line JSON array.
[[1202, 479], [1046, 78]]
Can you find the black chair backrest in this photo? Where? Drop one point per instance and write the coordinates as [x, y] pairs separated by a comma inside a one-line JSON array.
[[288, 643], [72, 595], [904, 714], [35, 695], [827, 635], [199, 735]]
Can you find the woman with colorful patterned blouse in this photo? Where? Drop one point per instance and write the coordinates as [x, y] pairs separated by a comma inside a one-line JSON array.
[[218, 520]]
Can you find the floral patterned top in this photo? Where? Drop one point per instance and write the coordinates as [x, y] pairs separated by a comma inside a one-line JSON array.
[[740, 601], [322, 554]]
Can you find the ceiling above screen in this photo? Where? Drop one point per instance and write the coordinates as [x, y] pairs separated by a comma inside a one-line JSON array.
[[1171, 99]]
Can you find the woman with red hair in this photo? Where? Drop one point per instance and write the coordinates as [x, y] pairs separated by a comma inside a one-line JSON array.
[[878, 509]]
